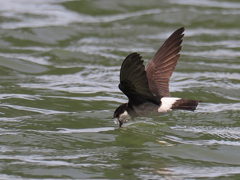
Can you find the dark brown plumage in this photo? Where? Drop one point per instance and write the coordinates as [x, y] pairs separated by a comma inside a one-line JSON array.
[[160, 68], [134, 82], [185, 104]]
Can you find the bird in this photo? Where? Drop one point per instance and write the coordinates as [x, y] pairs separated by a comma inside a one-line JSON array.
[[147, 88]]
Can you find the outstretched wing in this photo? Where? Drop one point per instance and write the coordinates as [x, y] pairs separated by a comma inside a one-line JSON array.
[[134, 82], [160, 68]]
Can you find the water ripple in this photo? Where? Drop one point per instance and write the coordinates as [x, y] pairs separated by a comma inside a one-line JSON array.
[[202, 142], [55, 15], [31, 109], [198, 172], [208, 3], [226, 132], [59, 70]]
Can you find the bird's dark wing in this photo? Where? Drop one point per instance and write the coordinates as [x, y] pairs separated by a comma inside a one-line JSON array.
[[134, 82], [160, 68]]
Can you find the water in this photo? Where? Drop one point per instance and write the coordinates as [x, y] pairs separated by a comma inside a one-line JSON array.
[[59, 69]]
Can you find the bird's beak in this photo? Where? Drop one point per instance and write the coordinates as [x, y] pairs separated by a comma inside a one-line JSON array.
[[116, 121], [120, 123]]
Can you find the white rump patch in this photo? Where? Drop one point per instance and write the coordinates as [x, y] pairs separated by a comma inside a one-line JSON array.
[[167, 103]]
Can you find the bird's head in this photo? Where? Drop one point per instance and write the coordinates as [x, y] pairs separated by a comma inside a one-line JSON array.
[[121, 114]]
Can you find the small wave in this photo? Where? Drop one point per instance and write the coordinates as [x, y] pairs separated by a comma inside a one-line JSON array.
[[39, 160], [198, 172], [21, 96], [25, 57], [90, 80], [207, 3], [226, 132], [25, 108], [70, 131], [223, 43], [202, 142], [55, 15], [221, 53], [220, 107], [194, 33]]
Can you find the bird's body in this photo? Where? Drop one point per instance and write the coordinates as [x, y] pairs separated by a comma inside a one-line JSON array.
[[148, 89]]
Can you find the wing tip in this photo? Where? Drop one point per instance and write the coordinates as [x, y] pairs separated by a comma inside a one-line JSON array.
[[181, 29], [134, 54]]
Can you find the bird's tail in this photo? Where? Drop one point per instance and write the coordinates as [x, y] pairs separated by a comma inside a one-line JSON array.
[[185, 104]]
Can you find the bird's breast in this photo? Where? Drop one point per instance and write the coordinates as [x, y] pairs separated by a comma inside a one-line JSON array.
[[146, 109]]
